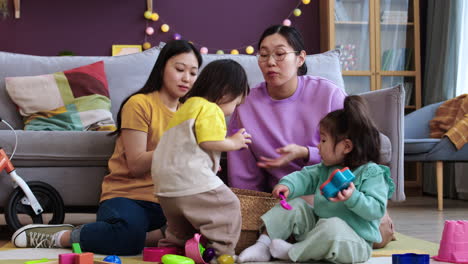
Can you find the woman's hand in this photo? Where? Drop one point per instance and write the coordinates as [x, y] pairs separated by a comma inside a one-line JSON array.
[[279, 188], [344, 195], [287, 153]]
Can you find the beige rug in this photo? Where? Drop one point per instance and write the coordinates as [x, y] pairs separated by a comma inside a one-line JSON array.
[[407, 244], [404, 244]]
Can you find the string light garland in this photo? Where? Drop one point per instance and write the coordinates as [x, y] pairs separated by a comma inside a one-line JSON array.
[[151, 16]]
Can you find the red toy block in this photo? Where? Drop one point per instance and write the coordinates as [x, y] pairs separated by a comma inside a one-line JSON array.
[[84, 258], [68, 258]]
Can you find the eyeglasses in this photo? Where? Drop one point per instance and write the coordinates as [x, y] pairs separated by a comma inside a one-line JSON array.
[[278, 55]]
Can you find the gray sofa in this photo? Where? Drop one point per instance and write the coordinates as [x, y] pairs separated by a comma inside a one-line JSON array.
[[75, 162]]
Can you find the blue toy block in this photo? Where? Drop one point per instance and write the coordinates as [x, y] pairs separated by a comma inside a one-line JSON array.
[[338, 180], [410, 258]]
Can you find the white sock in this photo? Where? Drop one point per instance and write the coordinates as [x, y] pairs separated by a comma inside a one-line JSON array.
[[260, 251], [57, 237], [279, 249]]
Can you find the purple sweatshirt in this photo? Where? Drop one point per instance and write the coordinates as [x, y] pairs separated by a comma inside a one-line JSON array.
[[277, 123]]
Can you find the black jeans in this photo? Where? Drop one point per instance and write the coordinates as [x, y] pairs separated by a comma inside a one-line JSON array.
[[120, 227]]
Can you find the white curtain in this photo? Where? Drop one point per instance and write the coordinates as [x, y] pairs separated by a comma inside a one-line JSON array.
[[461, 181], [445, 77], [462, 81]]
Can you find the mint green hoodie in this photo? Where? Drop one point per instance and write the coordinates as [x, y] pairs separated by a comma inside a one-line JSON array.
[[362, 211]]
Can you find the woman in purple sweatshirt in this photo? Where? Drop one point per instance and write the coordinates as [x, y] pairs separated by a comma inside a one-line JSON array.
[[282, 114]]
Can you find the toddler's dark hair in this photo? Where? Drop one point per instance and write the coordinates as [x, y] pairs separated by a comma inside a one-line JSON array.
[[220, 78], [353, 122]]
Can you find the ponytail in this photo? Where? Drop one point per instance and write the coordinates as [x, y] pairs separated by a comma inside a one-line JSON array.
[[353, 122]]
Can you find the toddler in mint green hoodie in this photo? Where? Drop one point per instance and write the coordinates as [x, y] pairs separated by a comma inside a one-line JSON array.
[[339, 229]]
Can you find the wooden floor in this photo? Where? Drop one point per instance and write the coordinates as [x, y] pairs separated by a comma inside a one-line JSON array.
[[417, 216]]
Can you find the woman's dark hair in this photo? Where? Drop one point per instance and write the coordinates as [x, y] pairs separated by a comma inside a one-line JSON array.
[[156, 78], [353, 122], [220, 78], [294, 38]]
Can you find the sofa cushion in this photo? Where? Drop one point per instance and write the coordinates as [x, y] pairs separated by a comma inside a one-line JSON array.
[[75, 99], [325, 65], [385, 150], [420, 145], [387, 110], [59, 148], [125, 75]]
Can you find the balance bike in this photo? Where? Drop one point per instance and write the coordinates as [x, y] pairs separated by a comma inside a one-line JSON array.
[[30, 202]]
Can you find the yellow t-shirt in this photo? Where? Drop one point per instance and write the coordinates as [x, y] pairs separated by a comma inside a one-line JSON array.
[[143, 112], [180, 166]]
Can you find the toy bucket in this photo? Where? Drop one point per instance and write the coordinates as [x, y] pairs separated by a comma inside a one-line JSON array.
[[154, 254], [454, 243], [192, 249]]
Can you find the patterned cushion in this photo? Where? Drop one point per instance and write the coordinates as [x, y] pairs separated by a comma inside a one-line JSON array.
[[76, 99]]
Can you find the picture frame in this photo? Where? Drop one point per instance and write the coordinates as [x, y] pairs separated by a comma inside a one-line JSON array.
[[119, 50]]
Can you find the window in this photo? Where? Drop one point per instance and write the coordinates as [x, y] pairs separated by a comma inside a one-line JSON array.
[[462, 75]]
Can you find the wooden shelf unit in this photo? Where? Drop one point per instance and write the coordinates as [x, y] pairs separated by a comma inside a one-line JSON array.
[[370, 33], [373, 27]]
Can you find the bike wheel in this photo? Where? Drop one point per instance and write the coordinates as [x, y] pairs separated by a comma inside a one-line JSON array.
[[18, 213]]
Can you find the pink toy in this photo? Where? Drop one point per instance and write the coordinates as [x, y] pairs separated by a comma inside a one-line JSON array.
[[192, 248], [454, 243], [154, 254], [68, 258], [283, 202]]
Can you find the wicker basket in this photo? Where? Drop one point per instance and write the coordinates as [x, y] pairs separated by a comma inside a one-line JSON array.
[[253, 205]]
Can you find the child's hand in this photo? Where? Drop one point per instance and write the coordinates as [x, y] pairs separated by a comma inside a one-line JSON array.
[[279, 188], [240, 139], [344, 194]]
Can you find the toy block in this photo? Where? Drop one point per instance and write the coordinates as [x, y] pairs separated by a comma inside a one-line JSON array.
[[84, 258], [94, 262], [76, 248], [37, 261], [410, 258], [68, 258]]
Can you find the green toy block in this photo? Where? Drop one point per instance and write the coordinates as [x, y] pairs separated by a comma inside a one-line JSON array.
[[36, 261], [76, 248]]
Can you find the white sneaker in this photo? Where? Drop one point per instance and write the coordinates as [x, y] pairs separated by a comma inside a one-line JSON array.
[[37, 236]]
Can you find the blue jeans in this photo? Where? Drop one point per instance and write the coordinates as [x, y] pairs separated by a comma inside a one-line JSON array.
[[120, 227]]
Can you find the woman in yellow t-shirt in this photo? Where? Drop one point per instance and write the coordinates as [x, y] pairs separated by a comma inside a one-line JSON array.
[[129, 215]]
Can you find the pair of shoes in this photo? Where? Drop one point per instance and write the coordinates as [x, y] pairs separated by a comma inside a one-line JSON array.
[[38, 236]]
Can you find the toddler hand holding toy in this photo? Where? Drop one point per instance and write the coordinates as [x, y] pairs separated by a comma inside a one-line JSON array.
[[284, 203], [338, 180]]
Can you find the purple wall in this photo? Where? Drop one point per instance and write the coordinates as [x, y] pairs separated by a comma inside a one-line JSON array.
[[91, 27]]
